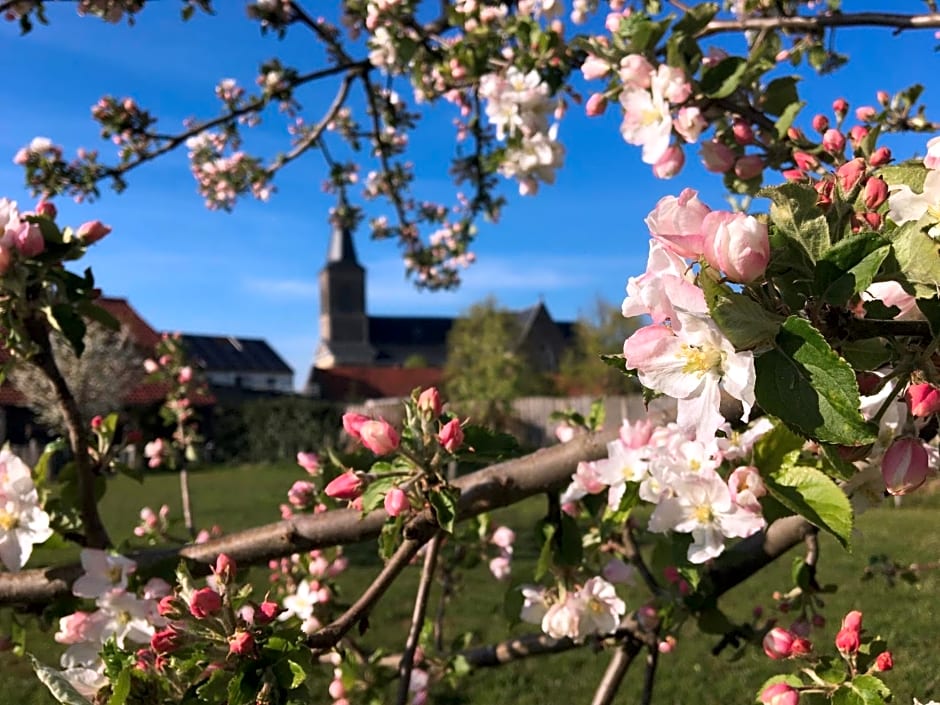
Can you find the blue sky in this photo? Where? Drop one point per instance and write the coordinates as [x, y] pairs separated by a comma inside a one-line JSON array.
[[253, 272]]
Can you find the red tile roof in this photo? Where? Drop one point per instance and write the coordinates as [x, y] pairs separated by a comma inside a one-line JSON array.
[[352, 383]]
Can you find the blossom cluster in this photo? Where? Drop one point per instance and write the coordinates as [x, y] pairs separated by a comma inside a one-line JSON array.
[[518, 106], [593, 609], [680, 475], [120, 615]]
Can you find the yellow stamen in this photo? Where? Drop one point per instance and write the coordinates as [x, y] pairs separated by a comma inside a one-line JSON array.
[[8, 521]]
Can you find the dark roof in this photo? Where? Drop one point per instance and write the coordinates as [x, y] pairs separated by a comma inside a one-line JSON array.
[[352, 383], [219, 353], [408, 330]]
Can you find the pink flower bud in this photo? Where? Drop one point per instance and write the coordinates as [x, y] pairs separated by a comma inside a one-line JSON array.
[[594, 67], [165, 641], [840, 107], [185, 375], [884, 661], [46, 209], [352, 423], [717, 157], [596, 105], [848, 641], [616, 571], [857, 134], [204, 603], [749, 167], [794, 175], [301, 493], [736, 244], [865, 113], [667, 645], [880, 156], [778, 643], [677, 223], [267, 612], [396, 502], [780, 694], [850, 174], [6, 259], [92, 231], [28, 240], [150, 366], [820, 123], [97, 422], [795, 134], [337, 690], [309, 462], [224, 568], [876, 192], [805, 161], [852, 621], [905, 465], [670, 163], [451, 435], [169, 607], [883, 97], [378, 436], [743, 134], [801, 647], [347, 486], [923, 399], [241, 644], [430, 401]]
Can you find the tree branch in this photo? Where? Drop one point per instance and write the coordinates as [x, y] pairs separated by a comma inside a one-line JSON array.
[[417, 618], [617, 668], [887, 20], [497, 486]]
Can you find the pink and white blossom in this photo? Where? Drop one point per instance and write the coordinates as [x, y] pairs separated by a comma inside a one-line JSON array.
[[104, 572]]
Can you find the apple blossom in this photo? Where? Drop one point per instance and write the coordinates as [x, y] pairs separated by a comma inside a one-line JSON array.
[[204, 602], [242, 643], [92, 231], [647, 122], [717, 157], [905, 465], [689, 123], [396, 502], [670, 163], [352, 423], [736, 244], [378, 436], [693, 365], [848, 641], [667, 285], [430, 401], [884, 661], [596, 105], [778, 643], [833, 141], [104, 572], [780, 694]]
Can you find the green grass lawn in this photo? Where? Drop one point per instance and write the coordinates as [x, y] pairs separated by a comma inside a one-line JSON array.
[[905, 614]]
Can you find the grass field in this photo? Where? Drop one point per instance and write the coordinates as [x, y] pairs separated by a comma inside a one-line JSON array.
[[906, 615]]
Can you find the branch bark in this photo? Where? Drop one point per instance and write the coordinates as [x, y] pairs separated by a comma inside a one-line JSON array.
[[887, 20], [406, 664], [619, 664], [497, 486]]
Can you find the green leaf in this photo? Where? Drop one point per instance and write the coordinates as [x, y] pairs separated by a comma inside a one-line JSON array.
[[97, 314], [850, 267], [917, 258], [868, 354], [298, 674], [911, 174], [804, 383], [374, 494], [863, 690], [215, 688], [814, 496], [444, 503], [696, 18], [785, 121], [796, 217], [618, 362], [136, 474], [60, 688], [742, 320], [545, 554], [488, 445], [723, 79], [931, 310], [780, 94], [64, 319], [121, 688], [512, 604]]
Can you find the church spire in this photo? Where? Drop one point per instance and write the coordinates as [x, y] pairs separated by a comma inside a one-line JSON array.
[[341, 241]]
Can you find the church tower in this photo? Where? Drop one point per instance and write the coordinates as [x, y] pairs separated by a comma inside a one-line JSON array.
[[344, 326]]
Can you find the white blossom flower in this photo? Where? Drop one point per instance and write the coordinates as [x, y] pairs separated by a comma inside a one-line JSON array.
[[601, 609], [534, 604], [104, 572], [301, 604]]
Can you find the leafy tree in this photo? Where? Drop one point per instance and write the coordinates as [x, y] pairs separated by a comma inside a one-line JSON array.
[[602, 330], [486, 368]]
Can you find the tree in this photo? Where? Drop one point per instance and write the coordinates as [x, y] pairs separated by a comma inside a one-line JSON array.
[[109, 368], [486, 366], [822, 313], [582, 369]]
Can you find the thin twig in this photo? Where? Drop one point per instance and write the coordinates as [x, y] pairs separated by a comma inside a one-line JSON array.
[[330, 635], [649, 676], [417, 618], [617, 668], [632, 553]]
